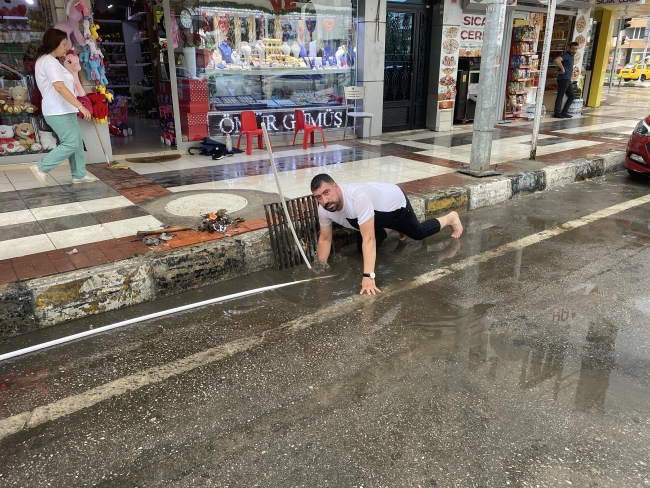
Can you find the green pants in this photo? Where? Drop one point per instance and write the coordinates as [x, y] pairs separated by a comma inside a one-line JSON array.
[[71, 147]]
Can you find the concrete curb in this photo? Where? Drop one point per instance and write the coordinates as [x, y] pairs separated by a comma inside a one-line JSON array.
[[42, 302]]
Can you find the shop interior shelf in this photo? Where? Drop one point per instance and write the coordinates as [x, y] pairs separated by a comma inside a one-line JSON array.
[[107, 21], [112, 44], [279, 71], [136, 16]]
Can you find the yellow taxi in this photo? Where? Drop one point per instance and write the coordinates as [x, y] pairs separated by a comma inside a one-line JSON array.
[[633, 71]]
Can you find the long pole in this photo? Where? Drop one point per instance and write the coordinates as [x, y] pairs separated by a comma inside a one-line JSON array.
[[646, 38], [543, 64], [615, 58], [267, 141], [486, 108]]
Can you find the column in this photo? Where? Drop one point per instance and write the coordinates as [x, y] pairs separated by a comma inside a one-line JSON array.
[[371, 44], [606, 17], [488, 86]]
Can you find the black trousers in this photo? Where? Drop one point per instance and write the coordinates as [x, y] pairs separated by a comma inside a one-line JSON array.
[[402, 220], [564, 87]]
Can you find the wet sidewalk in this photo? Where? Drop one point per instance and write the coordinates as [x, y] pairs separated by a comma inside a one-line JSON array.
[[64, 227]]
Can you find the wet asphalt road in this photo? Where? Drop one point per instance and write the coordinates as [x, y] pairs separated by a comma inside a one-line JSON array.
[[529, 366]]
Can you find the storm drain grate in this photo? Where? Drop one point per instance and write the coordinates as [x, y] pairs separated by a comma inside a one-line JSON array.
[[303, 212]]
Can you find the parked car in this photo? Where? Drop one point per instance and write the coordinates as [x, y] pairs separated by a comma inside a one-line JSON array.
[[637, 155], [635, 71]]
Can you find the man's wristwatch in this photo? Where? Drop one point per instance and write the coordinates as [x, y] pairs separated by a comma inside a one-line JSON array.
[[369, 275]]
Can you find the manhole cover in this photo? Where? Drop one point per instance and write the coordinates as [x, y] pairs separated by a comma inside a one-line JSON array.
[[197, 205]]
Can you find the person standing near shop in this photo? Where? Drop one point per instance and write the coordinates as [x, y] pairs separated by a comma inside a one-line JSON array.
[[60, 107], [564, 85]]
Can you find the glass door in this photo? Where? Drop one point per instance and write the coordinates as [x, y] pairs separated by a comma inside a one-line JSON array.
[[405, 68]]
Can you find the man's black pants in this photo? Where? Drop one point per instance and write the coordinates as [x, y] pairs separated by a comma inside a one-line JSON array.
[[564, 87], [402, 220]]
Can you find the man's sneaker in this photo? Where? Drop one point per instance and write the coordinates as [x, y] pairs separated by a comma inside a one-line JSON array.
[[85, 179], [566, 115], [558, 116], [39, 173]]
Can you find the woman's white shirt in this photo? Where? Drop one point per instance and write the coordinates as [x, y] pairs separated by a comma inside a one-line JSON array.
[[49, 71]]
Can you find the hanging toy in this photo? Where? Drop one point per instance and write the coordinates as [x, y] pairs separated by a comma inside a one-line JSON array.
[[72, 64], [93, 32], [74, 12]]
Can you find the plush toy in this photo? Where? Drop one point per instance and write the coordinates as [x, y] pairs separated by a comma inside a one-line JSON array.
[[93, 32], [95, 64], [48, 141], [4, 94], [100, 107], [102, 75], [87, 35], [74, 13], [72, 64], [8, 141], [102, 89], [26, 136], [20, 95]]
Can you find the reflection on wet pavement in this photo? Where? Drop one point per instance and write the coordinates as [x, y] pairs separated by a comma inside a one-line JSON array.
[[529, 369]]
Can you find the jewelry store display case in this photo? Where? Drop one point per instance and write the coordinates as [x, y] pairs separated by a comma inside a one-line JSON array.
[[233, 57]]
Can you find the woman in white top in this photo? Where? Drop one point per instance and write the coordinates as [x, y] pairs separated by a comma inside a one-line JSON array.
[[60, 107]]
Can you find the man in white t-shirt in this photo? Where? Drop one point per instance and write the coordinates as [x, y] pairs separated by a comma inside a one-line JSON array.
[[371, 208]]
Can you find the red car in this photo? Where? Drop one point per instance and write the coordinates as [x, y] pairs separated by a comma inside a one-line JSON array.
[[637, 155]]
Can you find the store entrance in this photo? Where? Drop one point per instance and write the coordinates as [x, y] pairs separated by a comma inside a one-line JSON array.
[[405, 67]]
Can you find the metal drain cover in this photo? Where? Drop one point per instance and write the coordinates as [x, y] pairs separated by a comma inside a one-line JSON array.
[[203, 203]]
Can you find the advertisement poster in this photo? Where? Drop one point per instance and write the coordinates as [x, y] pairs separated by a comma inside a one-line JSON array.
[[450, 49]]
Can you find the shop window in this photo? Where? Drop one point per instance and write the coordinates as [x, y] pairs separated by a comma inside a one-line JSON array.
[[21, 32], [231, 57]]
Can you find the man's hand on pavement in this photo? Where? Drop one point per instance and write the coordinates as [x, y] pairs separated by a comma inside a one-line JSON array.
[[368, 286]]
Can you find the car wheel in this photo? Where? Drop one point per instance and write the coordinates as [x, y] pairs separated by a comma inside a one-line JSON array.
[[636, 175], [626, 79], [643, 78]]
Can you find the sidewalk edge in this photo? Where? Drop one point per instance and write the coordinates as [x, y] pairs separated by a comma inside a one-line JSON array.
[[42, 302]]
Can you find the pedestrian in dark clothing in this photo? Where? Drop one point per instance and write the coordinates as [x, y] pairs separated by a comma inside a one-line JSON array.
[[564, 86]]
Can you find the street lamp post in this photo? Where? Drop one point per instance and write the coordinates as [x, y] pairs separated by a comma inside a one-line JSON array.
[[487, 93], [543, 65]]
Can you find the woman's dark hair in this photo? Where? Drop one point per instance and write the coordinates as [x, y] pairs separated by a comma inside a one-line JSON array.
[[51, 40]]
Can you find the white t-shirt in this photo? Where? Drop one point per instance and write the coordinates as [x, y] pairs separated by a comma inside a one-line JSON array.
[[361, 201], [48, 71]]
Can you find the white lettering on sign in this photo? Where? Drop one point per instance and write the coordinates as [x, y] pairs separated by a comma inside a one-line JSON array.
[[611, 2], [328, 119]]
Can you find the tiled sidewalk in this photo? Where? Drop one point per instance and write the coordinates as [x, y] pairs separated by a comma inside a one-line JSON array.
[[39, 227]]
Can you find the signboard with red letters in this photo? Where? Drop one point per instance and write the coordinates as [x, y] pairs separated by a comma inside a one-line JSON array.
[[471, 35]]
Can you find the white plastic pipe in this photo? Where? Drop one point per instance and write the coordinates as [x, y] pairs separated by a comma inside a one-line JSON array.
[[80, 335], [284, 204]]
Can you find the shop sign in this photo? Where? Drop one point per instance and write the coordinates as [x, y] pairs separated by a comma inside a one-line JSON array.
[[471, 35], [279, 122], [615, 2]]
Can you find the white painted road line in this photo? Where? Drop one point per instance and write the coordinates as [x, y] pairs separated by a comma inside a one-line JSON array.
[[157, 374]]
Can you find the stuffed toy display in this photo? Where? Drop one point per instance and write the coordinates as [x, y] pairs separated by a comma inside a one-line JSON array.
[[72, 64], [100, 106], [20, 96], [8, 141], [48, 141], [26, 136], [74, 11]]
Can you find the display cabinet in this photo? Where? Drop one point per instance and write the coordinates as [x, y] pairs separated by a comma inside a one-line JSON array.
[[230, 59]]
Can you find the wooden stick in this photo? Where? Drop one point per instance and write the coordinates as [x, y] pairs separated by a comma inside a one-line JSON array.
[[143, 233]]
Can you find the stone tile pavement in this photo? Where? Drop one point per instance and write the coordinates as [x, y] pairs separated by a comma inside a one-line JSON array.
[[41, 226]]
